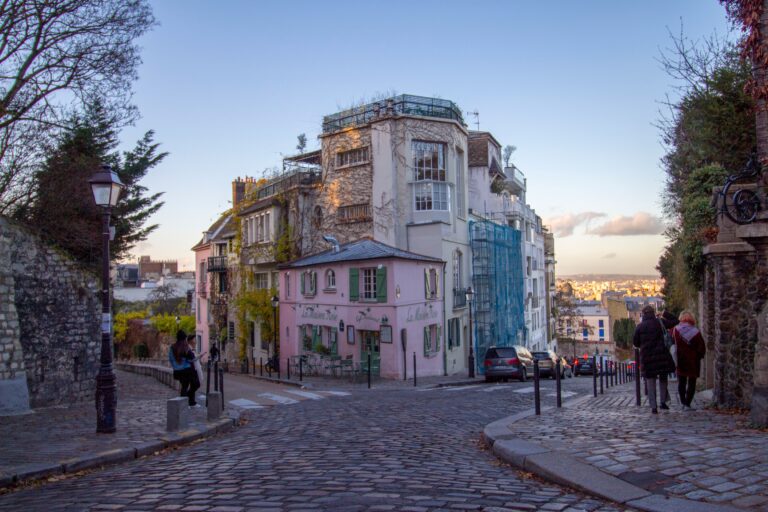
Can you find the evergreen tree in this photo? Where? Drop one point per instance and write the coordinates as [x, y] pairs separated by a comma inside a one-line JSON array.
[[63, 210]]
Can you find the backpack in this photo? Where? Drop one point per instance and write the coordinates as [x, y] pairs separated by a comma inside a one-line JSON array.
[[668, 340]]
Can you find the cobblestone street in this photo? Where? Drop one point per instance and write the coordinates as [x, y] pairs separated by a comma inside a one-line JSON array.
[[404, 450]]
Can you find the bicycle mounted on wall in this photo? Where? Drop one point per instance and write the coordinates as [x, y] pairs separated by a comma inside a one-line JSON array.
[[743, 205]]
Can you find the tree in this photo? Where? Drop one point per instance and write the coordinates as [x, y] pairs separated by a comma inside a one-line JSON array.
[[62, 208], [568, 320], [53, 51], [508, 150], [163, 299], [302, 145], [623, 332]]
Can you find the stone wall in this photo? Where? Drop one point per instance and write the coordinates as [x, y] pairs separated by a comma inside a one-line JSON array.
[[50, 315]]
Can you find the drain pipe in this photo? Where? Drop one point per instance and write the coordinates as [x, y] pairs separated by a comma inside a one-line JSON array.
[[445, 325]]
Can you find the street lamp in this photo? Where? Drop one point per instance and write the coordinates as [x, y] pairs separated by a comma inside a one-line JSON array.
[[469, 293], [106, 187], [275, 303]]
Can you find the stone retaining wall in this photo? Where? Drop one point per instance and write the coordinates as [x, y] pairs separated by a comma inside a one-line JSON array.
[[50, 316], [162, 374]]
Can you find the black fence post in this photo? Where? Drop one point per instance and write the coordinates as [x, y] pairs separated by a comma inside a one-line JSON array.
[[594, 375], [221, 385], [215, 375], [288, 366], [301, 368], [261, 367], [536, 390], [208, 379], [414, 369], [602, 377], [277, 361], [637, 378], [369, 370], [557, 381]]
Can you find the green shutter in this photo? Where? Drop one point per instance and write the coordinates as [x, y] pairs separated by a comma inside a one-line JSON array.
[[450, 333], [426, 284], [354, 284], [301, 276], [457, 334], [313, 282], [437, 341], [437, 285], [426, 341], [334, 341], [381, 284]]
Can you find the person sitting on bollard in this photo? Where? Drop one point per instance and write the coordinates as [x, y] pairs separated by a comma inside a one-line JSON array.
[[656, 361], [181, 359], [690, 351]]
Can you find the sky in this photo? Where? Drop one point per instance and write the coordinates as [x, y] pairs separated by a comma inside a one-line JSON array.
[[576, 86]]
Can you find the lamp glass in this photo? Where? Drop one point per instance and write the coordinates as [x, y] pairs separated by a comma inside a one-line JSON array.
[[101, 193], [115, 195], [469, 294], [275, 301]]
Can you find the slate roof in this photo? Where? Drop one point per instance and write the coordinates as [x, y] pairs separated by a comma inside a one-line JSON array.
[[217, 231], [364, 249]]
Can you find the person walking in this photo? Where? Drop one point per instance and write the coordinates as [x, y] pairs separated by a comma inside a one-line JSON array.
[[181, 359], [214, 352], [690, 351], [655, 360]]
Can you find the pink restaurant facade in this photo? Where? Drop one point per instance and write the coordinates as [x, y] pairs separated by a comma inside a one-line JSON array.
[[365, 298]]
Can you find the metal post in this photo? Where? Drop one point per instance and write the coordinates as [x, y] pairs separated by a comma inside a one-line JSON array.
[[288, 366], [369, 370], [106, 386], [215, 375], [277, 360], [247, 370], [261, 367], [414, 369], [536, 390], [221, 386], [471, 358], [301, 368], [208, 379], [602, 377], [557, 382], [637, 377], [594, 375]]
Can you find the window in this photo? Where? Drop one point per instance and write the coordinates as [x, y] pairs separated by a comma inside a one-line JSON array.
[[454, 333], [287, 285], [457, 263], [460, 201], [370, 284], [431, 339], [601, 329], [260, 281], [527, 265], [431, 191], [352, 157], [267, 227], [431, 284], [317, 217], [330, 279], [308, 283], [354, 213]]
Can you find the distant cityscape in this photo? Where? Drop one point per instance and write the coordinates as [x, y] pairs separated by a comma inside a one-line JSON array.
[[592, 286]]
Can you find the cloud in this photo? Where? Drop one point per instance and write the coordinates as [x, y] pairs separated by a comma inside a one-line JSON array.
[[609, 256], [563, 225], [641, 223]]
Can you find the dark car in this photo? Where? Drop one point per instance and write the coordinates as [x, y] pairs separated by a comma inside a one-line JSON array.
[[503, 363], [547, 363], [585, 367]]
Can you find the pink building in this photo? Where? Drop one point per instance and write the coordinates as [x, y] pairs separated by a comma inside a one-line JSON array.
[[364, 298]]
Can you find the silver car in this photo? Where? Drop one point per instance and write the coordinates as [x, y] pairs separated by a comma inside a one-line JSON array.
[[504, 363]]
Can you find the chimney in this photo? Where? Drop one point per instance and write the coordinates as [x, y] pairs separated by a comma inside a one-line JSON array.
[[238, 191]]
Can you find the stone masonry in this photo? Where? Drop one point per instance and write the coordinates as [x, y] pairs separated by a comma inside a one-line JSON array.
[[50, 315]]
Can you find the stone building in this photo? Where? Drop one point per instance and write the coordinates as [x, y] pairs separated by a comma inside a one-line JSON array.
[[50, 314], [150, 269]]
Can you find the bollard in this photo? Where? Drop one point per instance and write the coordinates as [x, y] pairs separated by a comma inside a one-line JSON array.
[[602, 377], [637, 377], [414, 369], [288, 366], [613, 374], [269, 367], [277, 360], [213, 406], [247, 370], [594, 376], [261, 367], [221, 387], [301, 368], [536, 390], [369, 370], [215, 375], [557, 382], [208, 378]]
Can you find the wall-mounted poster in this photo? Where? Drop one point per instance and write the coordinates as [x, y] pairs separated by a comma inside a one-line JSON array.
[[386, 333], [350, 335]]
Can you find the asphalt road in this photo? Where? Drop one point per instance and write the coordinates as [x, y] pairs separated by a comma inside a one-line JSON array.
[[401, 450]]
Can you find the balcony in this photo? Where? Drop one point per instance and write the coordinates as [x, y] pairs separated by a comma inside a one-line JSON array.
[[217, 264], [354, 213], [459, 298], [295, 174], [403, 104]]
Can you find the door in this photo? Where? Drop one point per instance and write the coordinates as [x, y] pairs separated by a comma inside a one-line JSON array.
[[369, 344]]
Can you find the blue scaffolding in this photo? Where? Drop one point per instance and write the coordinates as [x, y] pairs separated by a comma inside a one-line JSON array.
[[497, 279]]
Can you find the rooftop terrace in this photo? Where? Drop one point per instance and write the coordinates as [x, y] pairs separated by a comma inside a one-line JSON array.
[[403, 104]]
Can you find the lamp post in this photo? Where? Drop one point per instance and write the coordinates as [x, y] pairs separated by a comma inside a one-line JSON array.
[[471, 362], [106, 187], [275, 303]]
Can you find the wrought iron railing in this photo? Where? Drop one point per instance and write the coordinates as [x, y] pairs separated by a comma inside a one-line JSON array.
[[217, 264], [354, 213], [295, 175], [404, 104], [459, 298]]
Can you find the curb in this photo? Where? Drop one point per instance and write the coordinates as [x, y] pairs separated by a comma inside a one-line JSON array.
[[562, 468], [39, 471]]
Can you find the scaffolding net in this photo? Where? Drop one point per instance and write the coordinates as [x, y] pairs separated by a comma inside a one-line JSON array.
[[497, 280]]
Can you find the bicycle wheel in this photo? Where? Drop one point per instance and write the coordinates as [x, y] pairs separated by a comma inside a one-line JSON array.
[[743, 206]]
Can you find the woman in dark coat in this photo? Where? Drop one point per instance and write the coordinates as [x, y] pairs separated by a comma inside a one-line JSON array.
[[690, 351], [655, 360]]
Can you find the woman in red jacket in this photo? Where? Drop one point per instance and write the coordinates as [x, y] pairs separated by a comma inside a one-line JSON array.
[[690, 351]]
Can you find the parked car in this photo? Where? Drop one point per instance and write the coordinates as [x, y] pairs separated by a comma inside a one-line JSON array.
[[565, 368], [547, 363], [585, 367], [508, 362]]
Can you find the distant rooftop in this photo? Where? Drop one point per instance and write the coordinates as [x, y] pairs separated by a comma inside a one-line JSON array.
[[364, 249], [404, 104]]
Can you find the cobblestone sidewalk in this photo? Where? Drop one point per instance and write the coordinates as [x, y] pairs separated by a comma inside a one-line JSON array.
[[700, 455], [35, 444]]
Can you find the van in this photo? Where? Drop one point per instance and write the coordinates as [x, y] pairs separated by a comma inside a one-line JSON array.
[[503, 363]]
